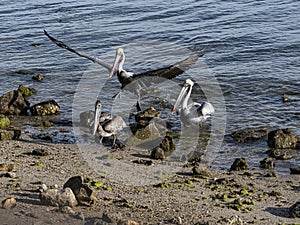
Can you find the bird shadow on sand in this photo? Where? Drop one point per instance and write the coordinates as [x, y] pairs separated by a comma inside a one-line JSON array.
[[29, 198], [279, 211]]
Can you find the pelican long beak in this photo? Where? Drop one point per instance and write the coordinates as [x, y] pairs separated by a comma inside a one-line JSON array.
[[96, 118], [116, 62], [180, 97]]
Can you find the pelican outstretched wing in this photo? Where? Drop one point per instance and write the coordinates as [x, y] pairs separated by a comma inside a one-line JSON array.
[[63, 45], [160, 75]]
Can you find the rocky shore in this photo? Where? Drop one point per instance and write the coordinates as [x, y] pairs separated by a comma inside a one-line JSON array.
[[44, 181]]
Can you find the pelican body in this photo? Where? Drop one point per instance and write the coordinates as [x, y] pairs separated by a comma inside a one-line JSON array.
[[189, 113], [107, 127]]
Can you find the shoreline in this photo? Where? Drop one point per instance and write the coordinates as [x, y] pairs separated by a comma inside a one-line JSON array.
[[179, 199]]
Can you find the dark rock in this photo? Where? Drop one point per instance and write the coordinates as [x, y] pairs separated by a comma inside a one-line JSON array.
[[143, 161], [40, 152], [267, 163], [8, 203], [47, 123], [295, 170], [25, 91], [249, 134], [4, 121], [67, 210], [239, 164], [165, 148], [84, 195], [280, 154], [200, 172], [271, 174], [13, 103], [282, 138], [54, 197], [38, 77], [45, 108], [9, 135], [111, 217], [294, 210], [143, 118]]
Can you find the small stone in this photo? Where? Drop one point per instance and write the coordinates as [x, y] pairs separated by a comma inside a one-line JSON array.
[[111, 217], [84, 195], [165, 148], [127, 222], [295, 170], [40, 152], [9, 203], [7, 167], [43, 188], [239, 164], [67, 210], [38, 77], [282, 138], [54, 197], [295, 210], [158, 153], [267, 163], [200, 172]]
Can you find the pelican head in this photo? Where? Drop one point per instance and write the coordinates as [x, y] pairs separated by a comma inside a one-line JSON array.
[[97, 114], [188, 85], [119, 60]]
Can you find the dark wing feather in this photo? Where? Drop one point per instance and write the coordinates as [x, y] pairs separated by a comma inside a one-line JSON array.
[[63, 45], [160, 75]]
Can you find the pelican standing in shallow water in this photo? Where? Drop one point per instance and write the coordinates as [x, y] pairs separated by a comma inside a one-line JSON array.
[[189, 114], [108, 128]]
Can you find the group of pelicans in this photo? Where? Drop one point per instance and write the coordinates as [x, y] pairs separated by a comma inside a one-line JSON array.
[[190, 114]]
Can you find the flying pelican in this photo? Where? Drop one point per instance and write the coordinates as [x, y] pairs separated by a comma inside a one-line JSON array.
[[189, 114], [139, 81], [109, 127]]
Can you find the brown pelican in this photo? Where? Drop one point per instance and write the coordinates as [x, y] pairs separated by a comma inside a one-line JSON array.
[[109, 127], [189, 114], [139, 81]]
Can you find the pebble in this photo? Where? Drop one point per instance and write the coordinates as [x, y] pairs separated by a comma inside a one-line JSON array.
[[63, 197], [9, 203]]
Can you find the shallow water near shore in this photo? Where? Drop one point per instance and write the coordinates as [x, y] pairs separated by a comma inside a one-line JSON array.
[[251, 49]]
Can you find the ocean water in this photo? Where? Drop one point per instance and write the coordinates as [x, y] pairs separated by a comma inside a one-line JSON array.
[[252, 57]]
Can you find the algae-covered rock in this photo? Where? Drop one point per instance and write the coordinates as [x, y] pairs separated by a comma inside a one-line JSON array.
[[13, 103], [267, 163], [280, 154], [4, 121], [143, 118], [9, 135], [249, 134], [282, 138], [239, 164], [25, 91], [45, 108]]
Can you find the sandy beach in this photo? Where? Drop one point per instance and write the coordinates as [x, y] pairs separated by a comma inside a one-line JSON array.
[[215, 197]]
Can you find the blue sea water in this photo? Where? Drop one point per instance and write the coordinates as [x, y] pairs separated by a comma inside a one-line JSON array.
[[252, 49]]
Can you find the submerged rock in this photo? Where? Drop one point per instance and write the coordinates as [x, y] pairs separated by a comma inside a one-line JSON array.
[[249, 134], [239, 164], [54, 197], [13, 103], [4, 121], [45, 108], [84, 195], [86, 118], [25, 91], [282, 138]]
